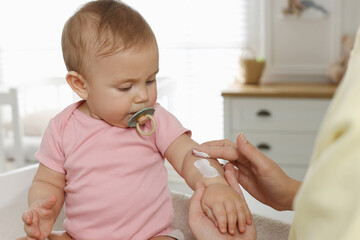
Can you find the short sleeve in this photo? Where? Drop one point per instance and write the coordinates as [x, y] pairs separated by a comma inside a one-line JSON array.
[[168, 129], [51, 153]]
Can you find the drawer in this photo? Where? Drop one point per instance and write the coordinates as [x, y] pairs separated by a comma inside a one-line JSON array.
[[277, 114], [284, 148]]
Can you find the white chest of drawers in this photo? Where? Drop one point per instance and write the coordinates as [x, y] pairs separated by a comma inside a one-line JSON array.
[[281, 120]]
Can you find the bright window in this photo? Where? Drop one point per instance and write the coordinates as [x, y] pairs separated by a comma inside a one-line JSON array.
[[199, 42]]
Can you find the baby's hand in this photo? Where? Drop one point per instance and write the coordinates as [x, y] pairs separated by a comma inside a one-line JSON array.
[[40, 218], [226, 207]]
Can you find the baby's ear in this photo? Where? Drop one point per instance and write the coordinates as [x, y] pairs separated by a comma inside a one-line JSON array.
[[78, 84]]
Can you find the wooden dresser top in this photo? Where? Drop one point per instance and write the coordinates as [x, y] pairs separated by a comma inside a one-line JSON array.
[[281, 90]]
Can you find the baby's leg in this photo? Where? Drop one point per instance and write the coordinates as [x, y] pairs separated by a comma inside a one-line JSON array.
[[176, 234], [59, 236], [56, 236], [162, 238]]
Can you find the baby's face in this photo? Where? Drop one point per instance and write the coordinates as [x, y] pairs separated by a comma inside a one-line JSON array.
[[122, 84]]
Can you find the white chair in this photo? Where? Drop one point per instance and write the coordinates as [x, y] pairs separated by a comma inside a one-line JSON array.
[[39, 101], [10, 98]]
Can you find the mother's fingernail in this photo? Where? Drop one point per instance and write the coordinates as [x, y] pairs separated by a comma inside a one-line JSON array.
[[243, 137], [200, 154]]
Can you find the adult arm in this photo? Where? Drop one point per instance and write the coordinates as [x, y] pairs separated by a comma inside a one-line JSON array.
[[257, 174]]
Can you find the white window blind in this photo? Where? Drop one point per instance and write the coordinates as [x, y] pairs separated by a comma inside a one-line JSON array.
[[30, 52], [196, 24], [199, 42]]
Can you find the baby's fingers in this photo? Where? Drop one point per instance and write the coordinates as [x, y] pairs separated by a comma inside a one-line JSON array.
[[248, 214], [27, 217], [232, 216], [241, 216], [230, 177], [219, 212], [208, 212], [32, 230]]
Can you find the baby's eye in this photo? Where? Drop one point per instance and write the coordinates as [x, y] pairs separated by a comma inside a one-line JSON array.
[[150, 81], [124, 88]]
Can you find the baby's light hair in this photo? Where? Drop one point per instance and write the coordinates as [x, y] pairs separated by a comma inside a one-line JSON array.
[[102, 28]]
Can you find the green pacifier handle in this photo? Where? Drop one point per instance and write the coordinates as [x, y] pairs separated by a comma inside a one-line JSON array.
[[140, 118]]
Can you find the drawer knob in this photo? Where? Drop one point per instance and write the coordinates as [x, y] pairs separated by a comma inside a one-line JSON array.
[[263, 146], [263, 113]]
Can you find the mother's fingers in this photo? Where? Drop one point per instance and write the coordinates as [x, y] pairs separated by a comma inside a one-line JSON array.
[[250, 153], [218, 143], [231, 177], [225, 152]]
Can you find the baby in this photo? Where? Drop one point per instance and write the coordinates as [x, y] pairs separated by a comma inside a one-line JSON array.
[[111, 178]]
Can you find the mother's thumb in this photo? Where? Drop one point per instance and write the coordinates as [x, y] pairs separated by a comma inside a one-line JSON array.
[[195, 201], [249, 151], [199, 191]]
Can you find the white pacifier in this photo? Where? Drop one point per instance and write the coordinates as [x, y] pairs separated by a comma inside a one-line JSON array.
[[142, 117]]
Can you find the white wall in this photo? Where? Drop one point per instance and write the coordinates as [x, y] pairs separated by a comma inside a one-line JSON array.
[[300, 49], [350, 16]]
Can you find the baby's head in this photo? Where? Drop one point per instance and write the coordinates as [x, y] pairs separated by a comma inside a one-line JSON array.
[[112, 59], [102, 28]]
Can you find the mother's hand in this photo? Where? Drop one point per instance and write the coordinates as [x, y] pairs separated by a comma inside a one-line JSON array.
[[257, 174], [204, 229]]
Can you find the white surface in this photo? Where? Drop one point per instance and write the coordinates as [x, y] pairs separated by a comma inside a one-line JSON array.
[[14, 183]]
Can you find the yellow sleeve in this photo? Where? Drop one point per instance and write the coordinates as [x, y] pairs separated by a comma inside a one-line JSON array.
[[328, 203]]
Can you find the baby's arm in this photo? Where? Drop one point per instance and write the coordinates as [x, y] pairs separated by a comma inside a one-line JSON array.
[[220, 202], [45, 200]]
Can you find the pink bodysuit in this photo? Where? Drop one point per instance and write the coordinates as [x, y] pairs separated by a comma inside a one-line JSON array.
[[116, 182]]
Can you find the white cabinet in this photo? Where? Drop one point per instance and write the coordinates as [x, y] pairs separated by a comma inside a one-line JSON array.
[[282, 125]]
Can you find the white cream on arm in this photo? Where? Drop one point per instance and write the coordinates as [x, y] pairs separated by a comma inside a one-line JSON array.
[[204, 167], [201, 154]]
